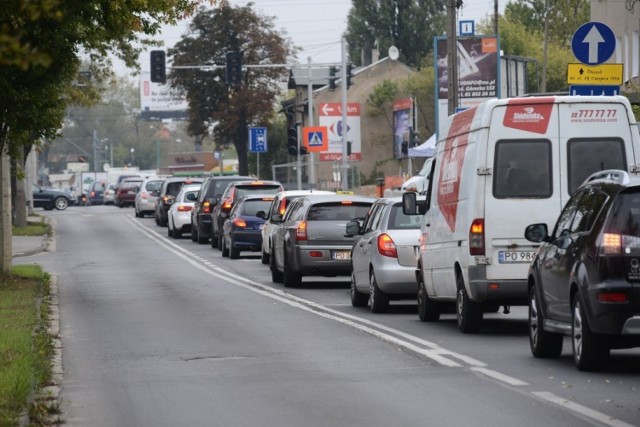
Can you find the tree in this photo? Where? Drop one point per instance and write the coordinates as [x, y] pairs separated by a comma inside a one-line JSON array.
[[410, 25], [229, 109]]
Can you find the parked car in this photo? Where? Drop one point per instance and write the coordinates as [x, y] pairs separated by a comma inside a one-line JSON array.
[[145, 200], [310, 239], [49, 199], [241, 230], [96, 193], [126, 192], [109, 194], [231, 194], [584, 280], [384, 255], [211, 191], [179, 214], [168, 192], [279, 205]]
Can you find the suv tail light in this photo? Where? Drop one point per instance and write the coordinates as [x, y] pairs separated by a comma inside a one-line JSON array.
[[283, 206], [476, 237], [301, 231], [239, 222], [618, 244], [206, 207], [227, 205], [386, 246]]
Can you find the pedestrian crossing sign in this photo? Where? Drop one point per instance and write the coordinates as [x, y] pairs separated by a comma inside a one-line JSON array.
[[315, 138]]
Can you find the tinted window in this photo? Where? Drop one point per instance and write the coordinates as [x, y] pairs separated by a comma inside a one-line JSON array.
[[153, 185], [128, 185], [586, 156], [252, 207], [399, 221], [588, 210], [563, 225], [336, 211], [173, 188], [624, 216], [522, 168], [257, 189]]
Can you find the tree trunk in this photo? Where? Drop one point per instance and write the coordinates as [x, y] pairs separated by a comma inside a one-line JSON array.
[[19, 200], [6, 247]]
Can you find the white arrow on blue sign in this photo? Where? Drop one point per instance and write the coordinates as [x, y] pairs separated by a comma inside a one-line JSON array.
[[257, 140], [593, 43]]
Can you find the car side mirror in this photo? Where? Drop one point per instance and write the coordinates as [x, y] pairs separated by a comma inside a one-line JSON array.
[[261, 214], [276, 218], [412, 206], [192, 197], [352, 228], [537, 233]]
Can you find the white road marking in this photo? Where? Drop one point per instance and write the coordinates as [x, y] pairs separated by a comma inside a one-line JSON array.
[[500, 377], [582, 410]]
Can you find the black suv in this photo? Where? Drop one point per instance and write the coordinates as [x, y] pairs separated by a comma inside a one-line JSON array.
[[585, 280], [230, 196], [211, 191], [167, 195]]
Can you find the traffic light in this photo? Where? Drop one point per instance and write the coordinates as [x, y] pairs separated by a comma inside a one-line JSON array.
[[405, 148], [234, 67], [349, 75], [414, 137], [332, 78], [158, 67], [292, 141]]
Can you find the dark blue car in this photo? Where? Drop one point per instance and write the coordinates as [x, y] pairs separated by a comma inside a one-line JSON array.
[[242, 230]]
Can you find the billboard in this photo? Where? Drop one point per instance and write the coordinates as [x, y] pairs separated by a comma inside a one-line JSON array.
[[402, 124], [158, 101], [330, 116]]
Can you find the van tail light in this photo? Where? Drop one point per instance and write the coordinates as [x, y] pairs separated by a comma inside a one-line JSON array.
[[301, 231], [206, 207], [476, 237], [184, 208], [618, 244], [386, 246], [239, 222], [283, 206]]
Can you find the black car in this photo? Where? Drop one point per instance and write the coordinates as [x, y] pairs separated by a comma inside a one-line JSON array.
[[585, 280], [211, 191], [49, 199], [96, 193], [231, 194], [168, 192]]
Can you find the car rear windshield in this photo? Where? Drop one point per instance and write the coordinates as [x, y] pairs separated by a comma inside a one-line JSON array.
[[587, 156], [246, 190], [252, 207], [399, 221], [98, 186], [337, 211], [173, 188], [624, 216], [153, 185], [127, 185]]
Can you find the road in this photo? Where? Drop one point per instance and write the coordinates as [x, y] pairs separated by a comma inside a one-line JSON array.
[[165, 332]]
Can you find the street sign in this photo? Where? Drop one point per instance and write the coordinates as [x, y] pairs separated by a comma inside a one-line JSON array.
[[593, 43], [590, 90], [257, 139], [603, 74], [315, 138], [466, 28]]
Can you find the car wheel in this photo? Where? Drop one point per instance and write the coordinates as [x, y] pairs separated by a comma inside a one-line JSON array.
[[48, 208], [358, 299], [169, 231], [590, 350], [200, 238], [469, 312], [264, 257], [61, 203], [163, 221], [155, 217], [177, 233], [234, 253], [220, 239], [224, 249], [194, 233], [290, 278], [428, 309], [378, 300], [543, 344], [276, 275]]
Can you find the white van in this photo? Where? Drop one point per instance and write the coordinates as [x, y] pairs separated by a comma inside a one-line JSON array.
[[498, 167], [418, 183]]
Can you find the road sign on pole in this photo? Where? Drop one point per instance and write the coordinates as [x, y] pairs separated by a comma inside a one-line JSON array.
[[257, 139], [593, 43], [315, 138], [603, 74]]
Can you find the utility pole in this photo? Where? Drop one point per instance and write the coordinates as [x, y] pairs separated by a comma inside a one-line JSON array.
[[311, 158], [452, 54], [95, 150], [343, 88]]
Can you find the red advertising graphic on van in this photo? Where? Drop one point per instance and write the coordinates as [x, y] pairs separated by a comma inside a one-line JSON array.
[[452, 162], [529, 115]]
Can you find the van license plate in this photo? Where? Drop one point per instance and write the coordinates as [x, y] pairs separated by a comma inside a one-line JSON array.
[[511, 257], [341, 255]]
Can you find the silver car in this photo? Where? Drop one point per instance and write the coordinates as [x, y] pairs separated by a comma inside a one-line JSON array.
[[384, 255], [145, 203], [279, 205], [310, 239]]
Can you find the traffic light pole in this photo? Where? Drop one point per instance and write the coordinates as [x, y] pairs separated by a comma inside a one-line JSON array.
[[343, 88]]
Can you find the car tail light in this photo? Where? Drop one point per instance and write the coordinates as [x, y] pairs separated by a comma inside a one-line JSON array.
[[346, 202], [386, 246], [283, 206], [206, 207], [93, 194], [615, 297], [301, 231], [239, 222], [165, 198], [184, 208], [227, 205], [144, 196], [618, 244], [476, 237]]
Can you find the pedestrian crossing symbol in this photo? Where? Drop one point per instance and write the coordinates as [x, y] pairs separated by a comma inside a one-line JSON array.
[[315, 138]]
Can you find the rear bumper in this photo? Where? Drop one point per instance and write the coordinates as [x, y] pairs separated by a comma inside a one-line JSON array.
[[393, 278], [614, 318], [318, 261], [246, 240], [509, 292]]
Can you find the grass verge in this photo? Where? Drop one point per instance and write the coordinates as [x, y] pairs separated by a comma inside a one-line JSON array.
[[25, 346], [33, 228]]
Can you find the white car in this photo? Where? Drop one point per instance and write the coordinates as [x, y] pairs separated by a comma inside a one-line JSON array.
[[179, 215], [280, 203], [109, 194], [146, 196]]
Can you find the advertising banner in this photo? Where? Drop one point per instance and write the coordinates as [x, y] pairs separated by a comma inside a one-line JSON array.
[[402, 121], [330, 116]]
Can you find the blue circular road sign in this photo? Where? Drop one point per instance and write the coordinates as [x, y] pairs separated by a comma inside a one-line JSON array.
[[593, 43]]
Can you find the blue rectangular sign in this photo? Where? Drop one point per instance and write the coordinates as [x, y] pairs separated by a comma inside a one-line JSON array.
[[257, 140], [598, 90]]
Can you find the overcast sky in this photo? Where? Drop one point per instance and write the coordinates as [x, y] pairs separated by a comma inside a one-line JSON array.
[[316, 26]]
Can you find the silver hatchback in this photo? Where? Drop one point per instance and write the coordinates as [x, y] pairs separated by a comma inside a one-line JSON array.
[[384, 255]]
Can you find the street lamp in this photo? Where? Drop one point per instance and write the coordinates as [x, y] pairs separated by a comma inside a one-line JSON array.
[[133, 151]]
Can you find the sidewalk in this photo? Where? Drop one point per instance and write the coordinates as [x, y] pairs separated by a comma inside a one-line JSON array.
[[29, 245]]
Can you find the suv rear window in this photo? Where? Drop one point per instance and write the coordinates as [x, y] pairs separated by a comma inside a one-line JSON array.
[[336, 211], [587, 156], [173, 188], [255, 189], [624, 216], [522, 169], [252, 207]]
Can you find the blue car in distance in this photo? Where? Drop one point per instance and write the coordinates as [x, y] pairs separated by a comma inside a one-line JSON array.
[[242, 230]]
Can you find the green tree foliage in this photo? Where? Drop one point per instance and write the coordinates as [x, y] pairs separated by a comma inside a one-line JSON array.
[[214, 104], [410, 25]]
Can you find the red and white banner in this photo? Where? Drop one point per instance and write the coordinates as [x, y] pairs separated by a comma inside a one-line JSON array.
[[330, 115]]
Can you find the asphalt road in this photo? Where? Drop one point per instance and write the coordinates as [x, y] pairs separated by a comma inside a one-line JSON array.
[[157, 331]]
